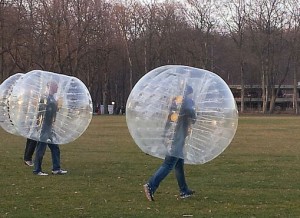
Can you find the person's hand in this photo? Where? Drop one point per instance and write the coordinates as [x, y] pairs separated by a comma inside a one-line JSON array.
[[178, 99], [59, 103], [39, 120], [174, 117]]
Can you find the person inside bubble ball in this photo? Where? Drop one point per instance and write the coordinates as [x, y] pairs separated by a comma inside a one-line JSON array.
[[173, 160], [46, 118], [47, 113]]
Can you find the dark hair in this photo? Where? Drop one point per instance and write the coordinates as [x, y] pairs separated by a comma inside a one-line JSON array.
[[188, 90]]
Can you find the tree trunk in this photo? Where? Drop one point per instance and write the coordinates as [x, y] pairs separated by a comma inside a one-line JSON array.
[[105, 94], [295, 92], [273, 99], [242, 86], [264, 92]]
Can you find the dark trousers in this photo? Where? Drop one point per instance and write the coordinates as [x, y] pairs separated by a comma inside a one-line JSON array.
[[39, 155], [29, 149]]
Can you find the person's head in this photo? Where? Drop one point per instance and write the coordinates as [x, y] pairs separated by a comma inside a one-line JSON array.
[[188, 90], [52, 86]]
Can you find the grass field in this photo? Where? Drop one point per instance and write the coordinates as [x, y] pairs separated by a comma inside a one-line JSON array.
[[257, 176]]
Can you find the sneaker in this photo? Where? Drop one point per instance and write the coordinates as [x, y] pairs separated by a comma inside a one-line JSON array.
[[59, 172], [148, 192], [41, 174], [186, 194], [28, 163]]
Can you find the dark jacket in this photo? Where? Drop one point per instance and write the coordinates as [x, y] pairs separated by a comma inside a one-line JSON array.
[[187, 117], [47, 115]]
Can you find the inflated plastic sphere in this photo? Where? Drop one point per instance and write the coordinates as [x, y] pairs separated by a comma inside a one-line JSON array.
[[50, 107], [182, 111], [5, 92]]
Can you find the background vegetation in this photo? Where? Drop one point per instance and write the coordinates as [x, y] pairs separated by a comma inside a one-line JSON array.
[[111, 44], [256, 176]]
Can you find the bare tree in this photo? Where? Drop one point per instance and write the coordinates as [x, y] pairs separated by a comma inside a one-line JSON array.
[[126, 27], [110, 45], [294, 34], [202, 16], [235, 19], [266, 19], [101, 39], [2, 31]]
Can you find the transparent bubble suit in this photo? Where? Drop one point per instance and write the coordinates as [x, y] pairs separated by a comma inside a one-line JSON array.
[[5, 92], [50, 107], [150, 103]]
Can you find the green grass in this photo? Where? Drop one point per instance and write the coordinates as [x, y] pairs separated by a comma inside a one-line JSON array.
[[256, 176]]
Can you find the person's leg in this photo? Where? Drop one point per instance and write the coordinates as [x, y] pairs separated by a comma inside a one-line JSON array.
[[162, 172], [185, 192], [179, 173], [55, 154], [39, 154], [29, 149]]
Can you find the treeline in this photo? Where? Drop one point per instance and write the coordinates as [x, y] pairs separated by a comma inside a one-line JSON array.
[[110, 45]]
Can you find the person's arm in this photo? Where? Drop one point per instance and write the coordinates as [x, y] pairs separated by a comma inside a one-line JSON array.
[[190, 111], [190, 114], [53, 108], [41, 111]]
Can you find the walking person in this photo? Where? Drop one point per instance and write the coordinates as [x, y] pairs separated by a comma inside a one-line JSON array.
[[46, 119], [174, 160]]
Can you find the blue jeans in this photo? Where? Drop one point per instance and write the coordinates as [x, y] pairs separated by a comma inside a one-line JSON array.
[[39, 154], [169, 163]]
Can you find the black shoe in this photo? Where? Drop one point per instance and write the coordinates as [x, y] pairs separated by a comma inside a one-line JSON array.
[[186, 194], [148, 192]]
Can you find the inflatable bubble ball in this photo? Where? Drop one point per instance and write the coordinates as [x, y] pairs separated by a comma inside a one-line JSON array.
[[50, 107], [182, 111]]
